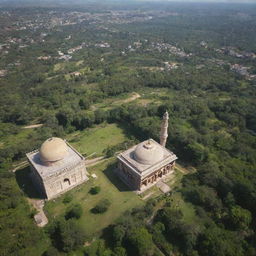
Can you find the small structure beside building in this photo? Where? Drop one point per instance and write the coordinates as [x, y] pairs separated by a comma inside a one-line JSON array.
[[143, 165], [56, 168]]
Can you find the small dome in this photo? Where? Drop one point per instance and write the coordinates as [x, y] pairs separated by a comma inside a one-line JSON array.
[[53, 149], [148, 153]]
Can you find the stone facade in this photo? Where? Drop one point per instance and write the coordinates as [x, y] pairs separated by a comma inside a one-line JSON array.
[[56, 178]]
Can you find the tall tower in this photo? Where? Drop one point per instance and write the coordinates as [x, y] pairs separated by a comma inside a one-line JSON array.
[[164, 129]]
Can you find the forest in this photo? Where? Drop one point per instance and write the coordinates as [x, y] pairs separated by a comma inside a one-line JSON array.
[[188, 59]]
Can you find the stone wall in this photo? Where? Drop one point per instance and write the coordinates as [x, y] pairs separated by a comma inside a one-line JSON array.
[[60, 183], [37, 181], [128, 176]]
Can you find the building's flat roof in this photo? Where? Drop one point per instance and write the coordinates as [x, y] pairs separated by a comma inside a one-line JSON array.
[[144, 169], [44, 171]]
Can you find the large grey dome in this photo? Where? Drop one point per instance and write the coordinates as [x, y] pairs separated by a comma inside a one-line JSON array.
[[148, 153]]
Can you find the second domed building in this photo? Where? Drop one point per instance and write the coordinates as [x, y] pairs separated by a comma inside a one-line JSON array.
[[143, 165]]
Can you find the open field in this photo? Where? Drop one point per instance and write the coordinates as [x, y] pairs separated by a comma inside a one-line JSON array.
[[9, 140], [96, 140], [112, 188]]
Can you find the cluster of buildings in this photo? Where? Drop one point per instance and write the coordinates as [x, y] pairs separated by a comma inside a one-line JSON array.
[[170, 65], [102, 45], [57, 167], [3, 72], [243, 71], [51, 19], [171, 48], [232, 51], [68, 56]]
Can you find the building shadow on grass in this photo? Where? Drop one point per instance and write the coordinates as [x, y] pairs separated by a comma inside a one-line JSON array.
[[25, 183], [110, 173]]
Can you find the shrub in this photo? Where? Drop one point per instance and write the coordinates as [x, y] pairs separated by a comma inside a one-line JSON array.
[[51, 251], [75, 211], [71, 235], [102, 206], [66, 235], [67, 199], [94, 190], [141, 242]]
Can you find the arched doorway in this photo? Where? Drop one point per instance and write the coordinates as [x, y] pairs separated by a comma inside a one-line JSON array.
[[66, 183]]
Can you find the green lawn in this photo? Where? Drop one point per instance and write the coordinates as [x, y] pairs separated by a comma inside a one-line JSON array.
[[111, 188], [95, 140], [9, 140], [186, 208]]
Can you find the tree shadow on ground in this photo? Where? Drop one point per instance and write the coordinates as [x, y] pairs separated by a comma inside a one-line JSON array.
[[25, 183], [110, 173], [131, 132], [107, 235]]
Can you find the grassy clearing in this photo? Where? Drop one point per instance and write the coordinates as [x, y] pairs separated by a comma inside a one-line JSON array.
[[59, 66], [96, 140], [80, 62], [188, 210], [21, 136], [112, 188], [116, 101]]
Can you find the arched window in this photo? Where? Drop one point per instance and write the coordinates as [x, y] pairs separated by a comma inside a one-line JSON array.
[[66, 181]]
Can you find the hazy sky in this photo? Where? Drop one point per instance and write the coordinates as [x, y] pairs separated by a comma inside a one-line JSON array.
[[217, 1], [127, 1]]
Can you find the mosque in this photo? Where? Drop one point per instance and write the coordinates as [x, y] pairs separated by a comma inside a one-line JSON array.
[[143, 165], [57, 167]]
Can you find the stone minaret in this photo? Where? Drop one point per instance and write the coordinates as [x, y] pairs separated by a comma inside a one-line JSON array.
[[164, 129]]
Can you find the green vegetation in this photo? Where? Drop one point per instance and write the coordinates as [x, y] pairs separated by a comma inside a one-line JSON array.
[[124, 68], [67, 199], [74, 211], [66, 235], [95, 190], [101, 207], [117, 193], [96, 140], [16, 219]]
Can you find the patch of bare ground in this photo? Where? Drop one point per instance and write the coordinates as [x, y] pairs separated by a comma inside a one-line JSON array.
[[94, 161], [182, 169], [134, 96], [32, 126], [20, 166], [148, 195], [40, 217]]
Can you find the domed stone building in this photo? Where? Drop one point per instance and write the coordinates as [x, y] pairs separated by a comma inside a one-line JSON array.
[[143, 165], [56, 167]]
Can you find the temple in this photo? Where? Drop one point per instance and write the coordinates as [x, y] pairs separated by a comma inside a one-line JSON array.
[[143, 165], [56, 168]]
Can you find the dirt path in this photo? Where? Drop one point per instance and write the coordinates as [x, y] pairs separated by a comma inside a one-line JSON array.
[[32, 126], [20, 165], [94, 161], [111, 104], [132, 98], [183, 170], [40, 218], [148, 195]]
